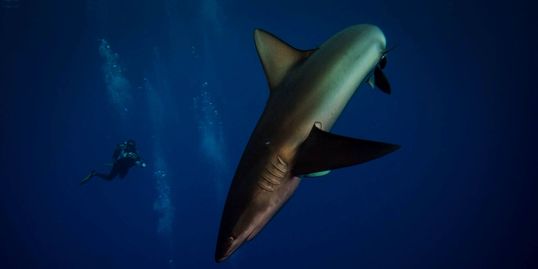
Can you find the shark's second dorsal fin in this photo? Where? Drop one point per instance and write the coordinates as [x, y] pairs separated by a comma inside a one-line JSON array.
[[277, 57], [325, 151]]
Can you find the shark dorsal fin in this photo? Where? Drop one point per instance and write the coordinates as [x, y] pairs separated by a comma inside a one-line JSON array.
[[277, 57], [323, 151]]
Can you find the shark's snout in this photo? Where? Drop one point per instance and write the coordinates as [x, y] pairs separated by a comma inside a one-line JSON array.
[[223, 249], [226, 246]]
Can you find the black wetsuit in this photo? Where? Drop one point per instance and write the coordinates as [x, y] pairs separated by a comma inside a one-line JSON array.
[[120, 168], [125, 156]]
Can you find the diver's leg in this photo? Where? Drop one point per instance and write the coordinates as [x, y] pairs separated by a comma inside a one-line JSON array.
[[88, 177], [107, 177], [110, 176], [123, 172], [114, 172]]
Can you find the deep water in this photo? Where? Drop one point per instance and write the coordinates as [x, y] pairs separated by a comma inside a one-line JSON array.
[[183, 79]]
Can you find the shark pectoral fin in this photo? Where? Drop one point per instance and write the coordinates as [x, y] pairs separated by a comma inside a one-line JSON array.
[[381, 81], [277, 57], [323, 151]]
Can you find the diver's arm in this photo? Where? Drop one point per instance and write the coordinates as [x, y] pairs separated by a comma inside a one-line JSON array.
[[139, 161]]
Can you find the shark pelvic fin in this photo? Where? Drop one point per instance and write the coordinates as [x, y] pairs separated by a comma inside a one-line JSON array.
[[318, 174], [371, 81], [277, 57], [323, 151]]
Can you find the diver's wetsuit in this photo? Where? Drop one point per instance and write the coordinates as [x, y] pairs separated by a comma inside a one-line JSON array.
[[125, 156], [119, 168]]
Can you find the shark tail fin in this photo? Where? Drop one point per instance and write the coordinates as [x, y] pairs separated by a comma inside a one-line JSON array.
[[323, 151], [380, 80]]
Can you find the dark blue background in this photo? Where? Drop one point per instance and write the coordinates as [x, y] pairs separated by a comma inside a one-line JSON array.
[[460, 193]]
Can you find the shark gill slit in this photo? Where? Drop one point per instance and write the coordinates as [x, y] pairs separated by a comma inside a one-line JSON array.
[[273, 174], [264, 185]]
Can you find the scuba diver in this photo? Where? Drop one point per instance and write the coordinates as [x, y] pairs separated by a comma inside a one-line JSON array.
[[124, 157]]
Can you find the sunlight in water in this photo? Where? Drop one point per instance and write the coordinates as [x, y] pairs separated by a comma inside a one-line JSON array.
[[210, 130], [163, 204], [117, 84], [211, 13]]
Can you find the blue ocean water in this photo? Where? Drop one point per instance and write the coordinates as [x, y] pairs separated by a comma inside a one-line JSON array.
[[183, 79]]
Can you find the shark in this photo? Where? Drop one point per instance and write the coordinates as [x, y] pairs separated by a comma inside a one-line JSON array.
[[292, 139]]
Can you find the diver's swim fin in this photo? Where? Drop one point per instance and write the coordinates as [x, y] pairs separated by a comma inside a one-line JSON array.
[[88, 177]]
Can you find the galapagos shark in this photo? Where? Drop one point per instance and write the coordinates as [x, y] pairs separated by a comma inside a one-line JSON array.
[[308, 91]]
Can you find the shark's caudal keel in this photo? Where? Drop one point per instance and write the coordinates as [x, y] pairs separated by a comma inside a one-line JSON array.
[[308, 91]]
